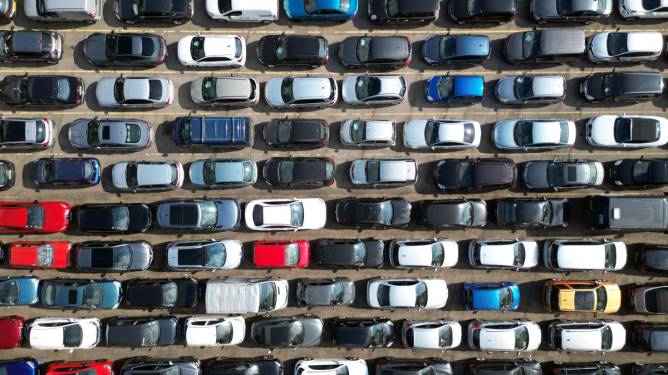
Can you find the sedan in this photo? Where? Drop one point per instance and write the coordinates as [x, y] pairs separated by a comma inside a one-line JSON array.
[[34, 217], [145, 176], [633, 46], [146, 365], [203, 215], [222, 173], [212, 51], [141, 331], [627, 131], [373, 212], [491, 296], [24, 133], [383, 172], [587, 336], [125, 49], [441, 134], [109, 134], [117, 256], [558, 175], [428, 253], [214, 331], [299, 172], [645, 173], [382, 52], [634, 9], [313, 10], [367, 133], [530, 89], [431, 334], [18, 290], [363, 333], [650, 298], [301, 92], [282, 214], [209, 255], [63, 333], [532, 212], [651, 337], [403, 11], [309, 366], [338, 291], [512, 254], [37, 254], [12, 332], [296, 133], [373, 89], [160, 294], [225, 91], [533, 134], [349, 253], [42, 90], [80, 294], [293, 51], [118, 218], [174, 11], [99, 367], [458, 213], [31, 46], [456, 50], [427, 293], [475, 174], [586, 11], [289, 332], [281, 254], [498, 11], [134, 92], [454, 89], [66, 172], [504, 336]]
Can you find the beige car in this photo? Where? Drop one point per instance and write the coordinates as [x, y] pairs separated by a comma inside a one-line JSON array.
[[225, 91]]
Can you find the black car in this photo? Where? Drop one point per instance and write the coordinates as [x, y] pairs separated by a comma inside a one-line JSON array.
[[475, 174], [652, 258], [622, 87], [159, 366], [293, 331], [457, 213], [404, 366], [125, 49], [142, 331], [532, 212], [29, 45], [293, 50], [504, 367], [175, 11], [7, 174], [649, 369], [366, 253], [400, 11], [339, 291], [296, 133], [363, 333], [463, 50], [160, 294], [586, 368], [113, 218], [651, 337], [639, 172], [464, 11], [383, 52], [266, 365], [373, 212], [42, 90], [299, 172]]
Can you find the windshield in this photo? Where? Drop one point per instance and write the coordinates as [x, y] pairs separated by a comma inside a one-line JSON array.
[[523, 133], [521, 338], [169, 294], [622, 129], [363, 49], [359, 253], [523, 87], [601, 298], [151, 334], [383, 295], [45, 255], [337, 292], [617, 43], [209, 88], [72, 335], [35, 217], [184, 131], [296, 214], [519, 254], [610, 255], [377, 334], [281, 48], [224, 333], [9, 292], [437, 254], [296, 334], [291, 254], [197, 48], [654, 6], [119, 95], [506, 297], [606, 338], [92, 295], [286, 90], [530, 43], [372, 171], [208, 214], [465, 174], [131, 175], [446, 87], [387, 212], [215, 255], [444, 336], [392, 7], [47, 170], [367, 86], [267, 296], [120, 217], [358, 131], [421, 294], [92, 136]]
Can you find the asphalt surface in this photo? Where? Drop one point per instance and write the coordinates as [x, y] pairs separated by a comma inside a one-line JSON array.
[[574, 107]]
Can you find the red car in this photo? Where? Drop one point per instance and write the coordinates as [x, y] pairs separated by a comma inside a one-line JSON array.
[[34, 217], [281, 254], [101, 367], [12, 332], [38, 254]]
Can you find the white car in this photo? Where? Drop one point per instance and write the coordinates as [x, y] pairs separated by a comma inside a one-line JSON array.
[[204, 255], [625, 46], [147, 175], [64, 333], [431, 334], [243, 10], [373, 89], [212, 50], [367, 133], [504, 336], [301, 92], [335, 366], [632, 9], [434, 253], [627, 131], [533, 134], [587, 336], [440, 134], [503, 254], [286, 214], [134, 92], [584, 255], [215, 330], [425, 293]]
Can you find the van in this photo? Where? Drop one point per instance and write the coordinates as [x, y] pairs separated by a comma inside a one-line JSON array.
[[545, 46], [243, 10], [87, 11], [629, 213]]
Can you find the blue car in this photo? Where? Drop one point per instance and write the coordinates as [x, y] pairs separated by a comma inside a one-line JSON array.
[[79, 294], [23, 366], [66, 172], [18, 291], [462, 50], [329, 10], [491, 296], [455, 89]]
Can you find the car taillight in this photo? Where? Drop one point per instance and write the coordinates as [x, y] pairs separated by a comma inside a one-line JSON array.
[[91, 14], [472, 364], [475, 325]]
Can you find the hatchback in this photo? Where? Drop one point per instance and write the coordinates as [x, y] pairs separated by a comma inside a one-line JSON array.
[[319, 10], [453, 213], [367, 133], [373, 212], [630, 46], [645, 173], [532, 212], [242, 10], [441, 134], [63, 333], [136, 176], [80, 294], [382, 52], [533, 134], [449, 89], [354, 253], [160, 293], [225, 91], [214, 331], [134, 92], [373, 89], [587, 336], [651, 337], [174, 11], [461, 50], [530, 89], [222, 173], [475, 174], [559, 175], [624, 87], [26, 133], [301, 92], [586, 11], [212, 50], [602, 296], [28, 45], [403, 11], [293, 331], [338, 291], [390, 293], [584, 255], [118, 218], [298, 172], [504, 336], [203, 215], [115, 256], [501, 296], [431, 334], [627, 131], [125, 49], [296, 133], [423, 253], [498, 11], [281, 254], [293, 51], [377, 332], [209, 255]]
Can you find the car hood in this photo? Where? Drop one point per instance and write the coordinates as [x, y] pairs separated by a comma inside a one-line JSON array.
[[512, 48], [95, 48], [229, 214], [546, 8], [593, 86], [104, 91], [414, 133], [272, 91], [601, 130], [598, 46], [348, 50], [536, 175], [505, 89]]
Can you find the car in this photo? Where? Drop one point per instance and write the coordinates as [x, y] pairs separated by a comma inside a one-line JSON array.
[[26, 133], [352, 366], [214, 330], [298, 172], [367, 133], [403, 11], [376, 332], [504, 336], [506, 367], [544, 46], [503, 296], [23, 366], [7, 174], [645, 173], [454, 89], [632, 46], [294, 51], [651, 337], [530, 89], [559, 175], [581, 296], [301, 92], [215, 50], [627, 131], [99, 367], [34, 217], [114, 256], [134, 92], [63, 333], [647, 369], [584, 255], [125, 49], [532, 212], [80, 294], [18, 290], [383, 172], [146, 365], [380, 52], [42, 91], [160, 293], [441, 134], [86, 11], [523, 134], [508, 254], [265, 365], [12, 326], [465, 11], [29, 45], [586, 336], [373, 212], [456, 50], [200, 215], [296, 133], [480, 174], [339, 291], [281, 254], [240, 295], [121, 218], [174, 11], [7, 9], [142, 176], [423, 253], [628, 213], [586, 368], [222, 173], [431, 334], [285, 214], [634, 9], [312, 10], [372, 89], [396, 366], [37, 254], [652, 258], [622, 87], [210, 255], [453, 213], [359, 253], [587, 11], [117, 134], [649, 298], [242, 11], [140, 331], [213, 131], [426, 293], [294, 331], [216, 92], [66, 172]]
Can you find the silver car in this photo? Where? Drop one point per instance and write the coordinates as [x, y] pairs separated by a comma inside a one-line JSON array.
[[134, 92], [301, 92], [625, 46], [225, 91], [533, 134], [147, 175], [222, 173], [109, 134], [367, 89], [383, 172], [530, 89], [120, 256], [208, 255], [441, 134], [367, 133]]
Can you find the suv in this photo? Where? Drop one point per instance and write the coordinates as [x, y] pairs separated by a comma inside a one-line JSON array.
[[629, 213], [87, 11], [544, 46]]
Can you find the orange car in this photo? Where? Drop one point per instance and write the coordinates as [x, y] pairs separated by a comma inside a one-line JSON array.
[[582, 296]]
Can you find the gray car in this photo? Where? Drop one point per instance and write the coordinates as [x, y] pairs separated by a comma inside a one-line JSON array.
[[562, 174], [109, 134], [160, 366], [650, 298], [118, 256], [586, 11], [148, 331], [325, 292], [134, 92], [295, 331], [383, 172], [147, 175], [222, 173], [530, 89], [225, 91], [203, 215]]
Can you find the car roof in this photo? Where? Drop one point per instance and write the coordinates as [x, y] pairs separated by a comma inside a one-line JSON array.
[[469, 85], [234, 87], [472, 45], [311, 88]]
